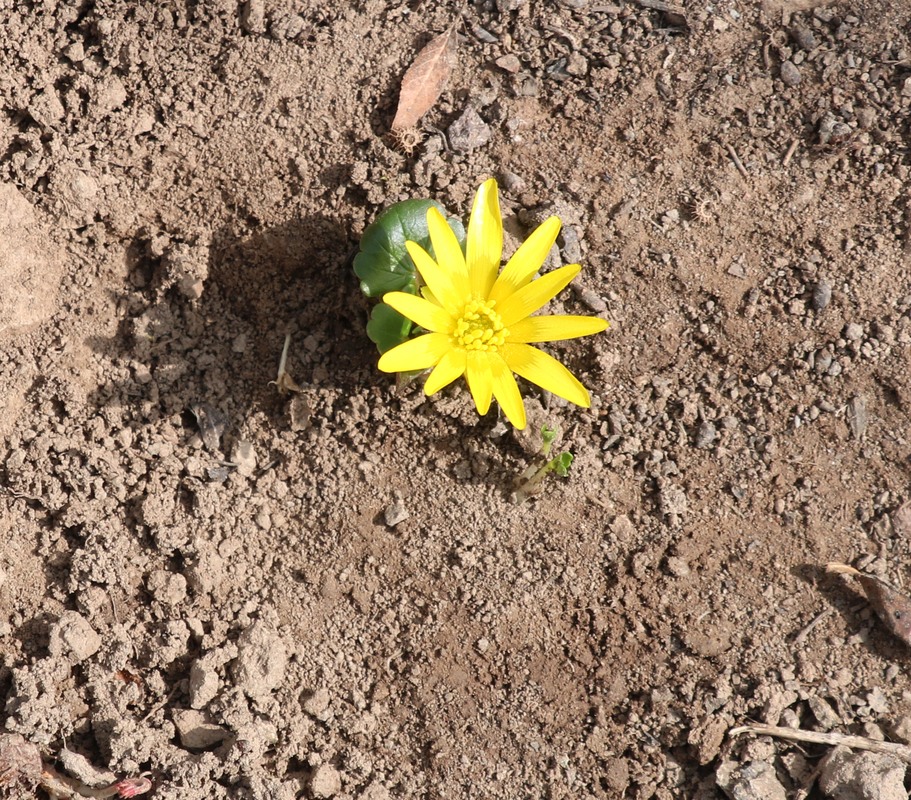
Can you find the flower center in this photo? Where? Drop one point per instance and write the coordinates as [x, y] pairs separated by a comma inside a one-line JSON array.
[[479, 327]]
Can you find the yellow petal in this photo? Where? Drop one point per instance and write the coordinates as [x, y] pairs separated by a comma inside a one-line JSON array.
[[507, 393], [530, 298], [415, 354], [447, 249], [480, 379], [437, 279], [527, 260], [544, 370], [484, 239], [554, 328], [426, 314], [451, 366]]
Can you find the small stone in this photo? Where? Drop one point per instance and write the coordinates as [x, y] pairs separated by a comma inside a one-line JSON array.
[[854, 332], [194, 732], [571, 244], [395, 513], [261, 660], [824, 713], [847, 775], [822, 295], [509, 63], [776, 704], [673, 503], [325, 781], [73, 638], [754, 781], [790, 75], [243, 456], [804, 37], [677, 566], [856, 414], [877, 700], [901, 520], [623, 529], [706, 435], [468, 132], [512, 183], [901, 729]]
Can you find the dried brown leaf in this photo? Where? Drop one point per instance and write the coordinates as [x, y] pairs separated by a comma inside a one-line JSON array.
[[425, 79], [891, 606]]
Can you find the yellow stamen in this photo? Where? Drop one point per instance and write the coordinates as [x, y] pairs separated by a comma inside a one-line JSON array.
[[479, 327]]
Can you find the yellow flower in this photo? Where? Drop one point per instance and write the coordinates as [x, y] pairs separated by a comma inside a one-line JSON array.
[[479, 318]]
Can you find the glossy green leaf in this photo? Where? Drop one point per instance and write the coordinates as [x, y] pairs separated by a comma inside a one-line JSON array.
[[387, 328], [562, 464], [383, 264]]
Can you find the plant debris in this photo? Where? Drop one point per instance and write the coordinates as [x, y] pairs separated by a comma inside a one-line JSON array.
[[424, 80], [892, 607], [21, 765], [899, 751]]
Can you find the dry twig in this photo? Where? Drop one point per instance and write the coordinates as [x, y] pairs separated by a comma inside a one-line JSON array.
[[899, 751]]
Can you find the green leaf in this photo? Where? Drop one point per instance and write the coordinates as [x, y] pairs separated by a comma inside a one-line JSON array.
[[562, 464], [387, 328], [383, 264]]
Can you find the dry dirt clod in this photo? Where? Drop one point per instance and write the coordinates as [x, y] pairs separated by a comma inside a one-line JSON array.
[[73, 638], [261, 660], [326, 781], [846, 775], [195, 732]]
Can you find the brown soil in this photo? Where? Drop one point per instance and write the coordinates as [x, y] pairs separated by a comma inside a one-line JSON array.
[[199, 580]]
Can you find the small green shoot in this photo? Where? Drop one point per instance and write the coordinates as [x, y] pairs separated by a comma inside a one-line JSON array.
[[531, 481]]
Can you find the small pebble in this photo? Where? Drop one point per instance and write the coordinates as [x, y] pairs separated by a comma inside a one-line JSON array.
[[509, 63], [395, 513], [468, 132], [677, 567], [856, 414], [822, 295], [853, 332], [706, 435], [756, 780], [824, 713], [243, 457], [804, 37], [790, 75]]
